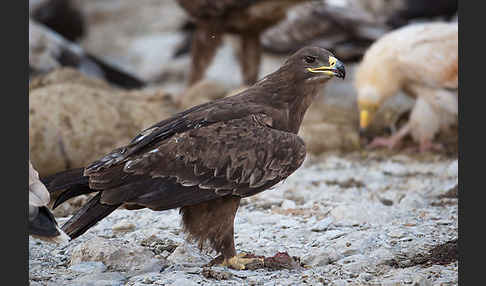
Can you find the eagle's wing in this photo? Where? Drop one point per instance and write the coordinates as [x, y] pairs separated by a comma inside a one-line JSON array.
[[239, 157], [224, 109]]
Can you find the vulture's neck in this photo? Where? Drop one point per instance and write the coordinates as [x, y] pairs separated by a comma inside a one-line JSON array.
[[283, 93]]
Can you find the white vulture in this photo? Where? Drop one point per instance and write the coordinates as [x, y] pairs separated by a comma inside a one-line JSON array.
[[422, 61]]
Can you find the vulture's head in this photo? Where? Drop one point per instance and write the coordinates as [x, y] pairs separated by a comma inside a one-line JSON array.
[[369, 100]]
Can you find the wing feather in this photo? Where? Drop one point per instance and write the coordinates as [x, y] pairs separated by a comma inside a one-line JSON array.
[[240, 157]]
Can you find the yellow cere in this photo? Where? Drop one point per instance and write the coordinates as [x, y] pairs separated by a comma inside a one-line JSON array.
[[332, 61], [325, 69]]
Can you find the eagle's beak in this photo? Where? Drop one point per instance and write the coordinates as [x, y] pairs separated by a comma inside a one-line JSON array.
[[335, 68]]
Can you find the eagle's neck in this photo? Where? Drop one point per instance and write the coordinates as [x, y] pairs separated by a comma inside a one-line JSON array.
[[300, 104], [286, 94]]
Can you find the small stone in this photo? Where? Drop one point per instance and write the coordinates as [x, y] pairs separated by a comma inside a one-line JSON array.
[[396, 234], [365, 277], [334, 234], [323, 224], [123, 226], [88, 267], [163, 246], [101, 279], [288, 204], [419, 280], [444, 222], [413, 201], [355, 263], [154, 265], [453, 169], [187, 254], [316, 259], [320, 257], [339, 283], [184, 282], [217, 275]]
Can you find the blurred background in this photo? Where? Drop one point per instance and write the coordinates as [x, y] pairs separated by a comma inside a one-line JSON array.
[[127, 64]]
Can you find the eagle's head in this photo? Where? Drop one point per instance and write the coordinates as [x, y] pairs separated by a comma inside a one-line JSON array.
[[315, 65]]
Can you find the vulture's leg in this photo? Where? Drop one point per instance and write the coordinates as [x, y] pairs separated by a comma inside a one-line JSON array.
[[426, 145], [250, 57], [205, 43], [212, 222], [392, 141]]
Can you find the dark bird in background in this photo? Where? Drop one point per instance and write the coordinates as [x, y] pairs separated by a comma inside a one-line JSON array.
[[348, 30], [205, 159], [48, 50], [345, 30], [414, 9], [42, 223], [61, 16], [247, 18]]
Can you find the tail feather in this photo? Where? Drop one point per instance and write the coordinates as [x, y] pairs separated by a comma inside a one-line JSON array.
[[71, 193], [87, 216], [65, 179]]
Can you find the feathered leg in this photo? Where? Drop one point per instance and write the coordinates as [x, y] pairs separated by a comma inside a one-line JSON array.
[[204, 222], [250, 57], [205, 42]]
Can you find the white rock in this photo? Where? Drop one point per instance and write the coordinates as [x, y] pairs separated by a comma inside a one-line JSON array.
[[184, 282], [288, 204], [112, 252], [453, 169], [101, 279], [419, 280], [88, 267], [323, 224], [123, 226], [188, 254], [316, 258], [414, 201]]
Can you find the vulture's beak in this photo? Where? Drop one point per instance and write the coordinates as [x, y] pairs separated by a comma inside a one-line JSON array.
[[367, 112], [335, 68], [364, 119]]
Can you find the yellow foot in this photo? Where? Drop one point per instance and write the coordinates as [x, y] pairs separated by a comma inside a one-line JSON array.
[[239, 262]]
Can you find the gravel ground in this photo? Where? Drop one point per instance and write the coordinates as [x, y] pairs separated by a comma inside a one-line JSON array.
[[362, 218]]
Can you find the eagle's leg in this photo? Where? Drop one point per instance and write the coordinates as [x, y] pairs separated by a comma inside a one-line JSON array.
[[392, 141], [205, 42], [239, 261], [212, 222], [250, 57]]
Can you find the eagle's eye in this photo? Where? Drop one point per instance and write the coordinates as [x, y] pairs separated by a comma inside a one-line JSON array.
[[309, 59]]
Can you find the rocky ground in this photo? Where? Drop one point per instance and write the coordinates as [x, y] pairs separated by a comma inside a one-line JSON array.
[[361, 218]]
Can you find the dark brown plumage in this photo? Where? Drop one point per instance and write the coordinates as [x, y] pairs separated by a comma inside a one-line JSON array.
[[248, 18], [205, 159]]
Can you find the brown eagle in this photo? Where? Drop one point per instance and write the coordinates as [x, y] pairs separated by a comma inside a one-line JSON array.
[[247, 18], [205, 159]]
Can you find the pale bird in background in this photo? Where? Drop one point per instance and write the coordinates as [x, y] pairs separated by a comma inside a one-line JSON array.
[[421, 60], [42, 224]]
